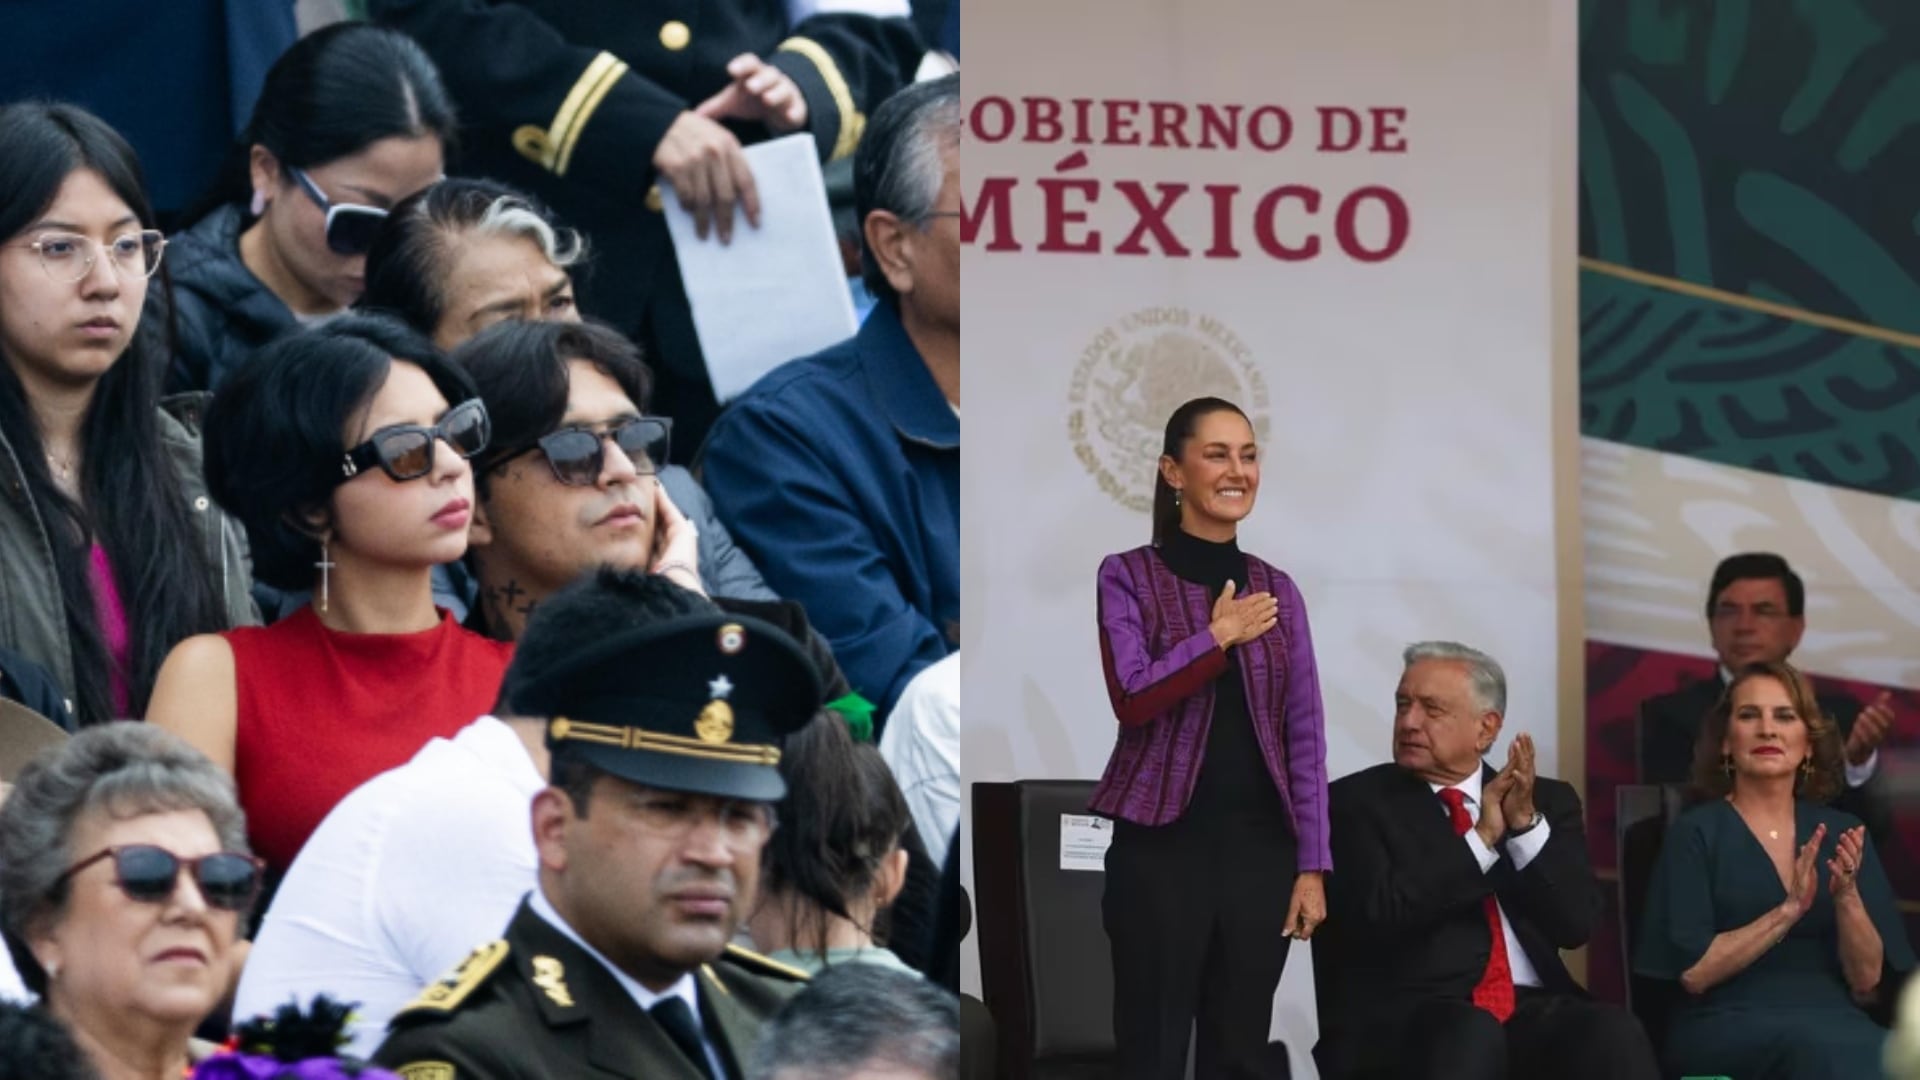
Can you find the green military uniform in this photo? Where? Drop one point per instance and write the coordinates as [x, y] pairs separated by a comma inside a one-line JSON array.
[[569, 99], [534, 1005], [696, 704]]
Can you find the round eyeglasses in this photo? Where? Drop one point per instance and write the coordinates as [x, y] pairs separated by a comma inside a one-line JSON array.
[[70, 256]]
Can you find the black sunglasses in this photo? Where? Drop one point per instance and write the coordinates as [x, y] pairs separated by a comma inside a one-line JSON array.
[[578, 454], [405, 451], [228, 880], [351, 227]]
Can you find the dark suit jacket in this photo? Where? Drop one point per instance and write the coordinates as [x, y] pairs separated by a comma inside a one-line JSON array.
[[534, 1006], [1405, 921], [1670, 725]]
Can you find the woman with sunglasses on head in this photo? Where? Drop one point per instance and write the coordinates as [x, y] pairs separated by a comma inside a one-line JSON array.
[[110, 552], [344, 450], [351, 120], [466, 255], [124, 874]]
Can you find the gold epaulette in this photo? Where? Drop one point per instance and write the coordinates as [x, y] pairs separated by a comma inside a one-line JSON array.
[[445, 994], [762, 965]]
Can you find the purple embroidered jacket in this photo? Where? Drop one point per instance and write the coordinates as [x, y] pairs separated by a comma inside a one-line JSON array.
[[1161, 662]]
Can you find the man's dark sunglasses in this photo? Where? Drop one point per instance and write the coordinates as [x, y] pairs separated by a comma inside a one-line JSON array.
[[228, 880], [351, 227], [577, 455], [405, 451]]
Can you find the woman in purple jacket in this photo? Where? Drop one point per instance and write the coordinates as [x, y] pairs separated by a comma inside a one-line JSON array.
[[1218, 783]]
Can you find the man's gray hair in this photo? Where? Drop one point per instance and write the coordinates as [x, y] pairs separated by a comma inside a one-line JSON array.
[[900, 163], [855, 1016], [1489, 682], [125, 769]]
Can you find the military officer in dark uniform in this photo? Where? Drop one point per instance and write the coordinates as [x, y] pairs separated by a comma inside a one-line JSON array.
[[588, 102], [664, 742]]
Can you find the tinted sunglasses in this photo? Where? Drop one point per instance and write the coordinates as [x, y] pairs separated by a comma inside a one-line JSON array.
[[405, 451], [577, 455], [228, 880], [351, 227]]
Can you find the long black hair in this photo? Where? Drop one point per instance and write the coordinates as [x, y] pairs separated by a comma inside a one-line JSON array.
[[333, 93], [843, 815], [130, 498], [276, 431], [1180, 428]]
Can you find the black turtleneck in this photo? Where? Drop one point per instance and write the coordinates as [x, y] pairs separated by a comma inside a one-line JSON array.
[[1233, 772]]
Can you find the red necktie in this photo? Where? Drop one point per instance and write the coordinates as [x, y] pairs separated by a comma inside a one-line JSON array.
[[1495, 990]]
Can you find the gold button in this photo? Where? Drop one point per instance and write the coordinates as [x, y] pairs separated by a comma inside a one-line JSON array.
[[675, 35], [653, 199]]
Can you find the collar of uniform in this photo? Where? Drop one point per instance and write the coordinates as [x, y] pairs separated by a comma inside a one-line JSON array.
[[902, 386], [685, 988]]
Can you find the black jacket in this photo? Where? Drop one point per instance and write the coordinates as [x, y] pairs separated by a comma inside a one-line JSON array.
[[221, 314], [534, 1006], [1405, 921]]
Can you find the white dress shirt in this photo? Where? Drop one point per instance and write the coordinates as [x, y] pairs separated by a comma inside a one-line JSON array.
[[686, 989], [922, 747], [1521, 849], [403, 879]]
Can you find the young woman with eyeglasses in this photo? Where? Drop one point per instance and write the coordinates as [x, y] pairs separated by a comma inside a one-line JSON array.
[[351, 120], [344, 450], [110, 551]]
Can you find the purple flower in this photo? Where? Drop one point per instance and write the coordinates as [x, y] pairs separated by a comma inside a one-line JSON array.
[[257, 1067]]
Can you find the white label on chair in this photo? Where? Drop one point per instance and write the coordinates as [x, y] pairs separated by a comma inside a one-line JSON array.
[[1083, 841]]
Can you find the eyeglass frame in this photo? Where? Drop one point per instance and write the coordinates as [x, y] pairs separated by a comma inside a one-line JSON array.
[[367, 454], [334, 209], [599, 449], [182, 864], [94, 248]]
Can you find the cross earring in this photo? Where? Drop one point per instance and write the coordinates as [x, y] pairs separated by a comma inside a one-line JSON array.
[[325, 566]]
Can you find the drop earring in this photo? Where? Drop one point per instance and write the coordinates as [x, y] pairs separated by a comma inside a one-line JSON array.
[[325, 566], [1176, 498], [259, 204]]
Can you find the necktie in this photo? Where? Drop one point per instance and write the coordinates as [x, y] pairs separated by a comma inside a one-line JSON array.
[[1494, 992], [677, 1019]]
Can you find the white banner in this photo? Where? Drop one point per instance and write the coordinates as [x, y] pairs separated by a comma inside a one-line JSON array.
[[1336, 215]]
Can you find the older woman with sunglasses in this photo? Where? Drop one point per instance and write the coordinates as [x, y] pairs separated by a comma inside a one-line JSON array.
[[124, 874], [351, 120], [344, 450]]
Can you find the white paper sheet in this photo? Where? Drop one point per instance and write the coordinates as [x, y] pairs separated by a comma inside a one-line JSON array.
[[1083, 841], [772, 293]]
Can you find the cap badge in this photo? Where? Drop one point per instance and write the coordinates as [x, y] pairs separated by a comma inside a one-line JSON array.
[[733, 638], [715, 723]]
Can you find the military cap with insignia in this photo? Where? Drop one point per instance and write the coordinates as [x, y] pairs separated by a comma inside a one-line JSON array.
[[697, 703]]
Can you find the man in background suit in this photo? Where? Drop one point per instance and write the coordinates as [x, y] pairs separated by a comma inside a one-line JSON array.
[[1756, 612], [1434, 851]]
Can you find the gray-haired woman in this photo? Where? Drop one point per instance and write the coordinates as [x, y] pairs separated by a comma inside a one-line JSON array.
[[125, 948]]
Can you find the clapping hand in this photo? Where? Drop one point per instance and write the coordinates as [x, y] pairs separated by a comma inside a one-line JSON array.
[[1843, 870], [1870, 729], [1237, 620], [1806, 877], [1516, 803]]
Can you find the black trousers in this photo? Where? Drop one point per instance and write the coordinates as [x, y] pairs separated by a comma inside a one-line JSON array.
[[1549, 1035], [1195, 913]]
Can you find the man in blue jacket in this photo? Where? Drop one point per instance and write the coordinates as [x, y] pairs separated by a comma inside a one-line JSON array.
[[839, 473]]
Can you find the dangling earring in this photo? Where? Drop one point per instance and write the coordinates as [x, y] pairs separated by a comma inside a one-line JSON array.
[[259, 204], [1726, 764], [325, 566], [1806, 766], [1176, 498]]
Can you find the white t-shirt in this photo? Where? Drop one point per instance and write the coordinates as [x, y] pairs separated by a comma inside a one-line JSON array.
[[405, 877], [11, 988], [922, 747]]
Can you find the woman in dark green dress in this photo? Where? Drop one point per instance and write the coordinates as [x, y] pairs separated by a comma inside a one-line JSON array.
[[1767, 906]]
